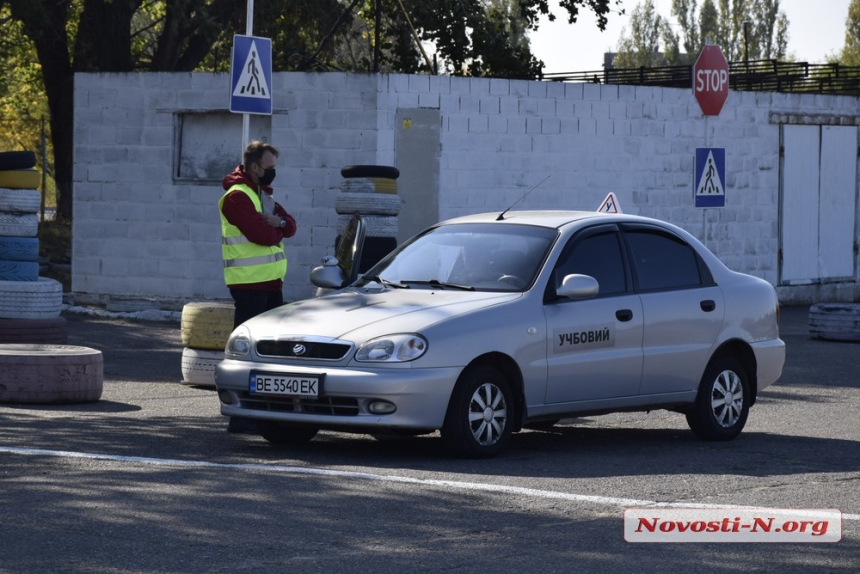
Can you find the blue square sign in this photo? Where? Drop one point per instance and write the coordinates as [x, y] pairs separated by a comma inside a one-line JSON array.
[[710, 178], [251, 75]]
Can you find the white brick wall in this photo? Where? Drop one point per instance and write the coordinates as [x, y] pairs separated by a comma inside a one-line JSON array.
[[137, 232]]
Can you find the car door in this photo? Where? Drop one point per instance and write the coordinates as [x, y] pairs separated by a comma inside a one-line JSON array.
[[682, 306], [594, 346]]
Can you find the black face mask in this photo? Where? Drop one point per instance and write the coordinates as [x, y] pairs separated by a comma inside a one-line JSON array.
[[268, 177]]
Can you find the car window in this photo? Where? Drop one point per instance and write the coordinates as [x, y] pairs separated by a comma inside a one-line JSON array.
[[496, 257], [598, 255], [662, 261]]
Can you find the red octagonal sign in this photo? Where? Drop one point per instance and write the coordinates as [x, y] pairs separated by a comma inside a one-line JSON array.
[[711, 80]]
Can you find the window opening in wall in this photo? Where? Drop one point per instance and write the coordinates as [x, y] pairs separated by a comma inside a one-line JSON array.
[[207, 145]]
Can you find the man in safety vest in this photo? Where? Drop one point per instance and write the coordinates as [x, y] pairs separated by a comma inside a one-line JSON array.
[[253, 226]]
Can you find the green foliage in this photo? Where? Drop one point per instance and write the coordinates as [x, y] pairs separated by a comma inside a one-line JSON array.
[[23, 104], [744, 29], [851, 52]]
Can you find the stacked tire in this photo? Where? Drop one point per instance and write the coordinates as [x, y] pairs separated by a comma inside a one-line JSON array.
[[370, 191], [205, 327], [29, 305], [36, 364]]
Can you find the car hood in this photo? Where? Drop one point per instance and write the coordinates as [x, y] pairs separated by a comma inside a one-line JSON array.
[[341, 315]]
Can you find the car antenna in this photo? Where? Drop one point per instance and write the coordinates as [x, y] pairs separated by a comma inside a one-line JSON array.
[[502, 214]]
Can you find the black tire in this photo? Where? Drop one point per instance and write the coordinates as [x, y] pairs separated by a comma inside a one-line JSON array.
[[480, 418], [370, 171], [281, 433], [723, 402], [17, 160]]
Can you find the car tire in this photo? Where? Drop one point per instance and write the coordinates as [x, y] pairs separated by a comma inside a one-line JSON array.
[[281, 433], [206, 324], [367, 204], [835, 321], [19, 248], [50, 374], [20, 200], [17, 160], [34, 331], [19, 270], [20, 179], [40, 299], [723, 402], [198, 366], [19, 225], [375, 225], [480, 418], [386, 171]]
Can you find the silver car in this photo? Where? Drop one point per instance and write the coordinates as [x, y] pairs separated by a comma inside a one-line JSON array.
[[486, 324]]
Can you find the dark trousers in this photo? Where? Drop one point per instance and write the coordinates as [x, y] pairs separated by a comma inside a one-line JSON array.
[[250, 303]]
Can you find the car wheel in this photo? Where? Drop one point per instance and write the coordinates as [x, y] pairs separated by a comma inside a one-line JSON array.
[[279, 433], [723, 402], [479, 420]]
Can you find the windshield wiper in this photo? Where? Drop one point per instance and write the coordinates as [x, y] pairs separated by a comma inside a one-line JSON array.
[[437, 283], [387, 283]]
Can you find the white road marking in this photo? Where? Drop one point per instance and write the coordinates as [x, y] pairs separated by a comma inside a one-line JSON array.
[[478, 486]]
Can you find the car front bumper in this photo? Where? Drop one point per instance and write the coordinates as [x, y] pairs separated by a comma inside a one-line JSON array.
[[420, 396]]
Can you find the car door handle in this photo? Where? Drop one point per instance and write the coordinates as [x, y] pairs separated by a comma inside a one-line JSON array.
[[624, 314], [707, 305]]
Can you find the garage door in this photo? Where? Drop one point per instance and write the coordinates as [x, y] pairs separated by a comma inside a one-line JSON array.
[[817, 207]]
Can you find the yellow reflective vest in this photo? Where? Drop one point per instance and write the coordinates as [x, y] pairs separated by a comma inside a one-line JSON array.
[[244, 260]]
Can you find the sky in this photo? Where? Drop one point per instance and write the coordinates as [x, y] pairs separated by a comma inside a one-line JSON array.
[[816, 29]]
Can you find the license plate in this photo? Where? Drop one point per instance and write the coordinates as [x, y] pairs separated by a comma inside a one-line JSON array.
[[285, 384]]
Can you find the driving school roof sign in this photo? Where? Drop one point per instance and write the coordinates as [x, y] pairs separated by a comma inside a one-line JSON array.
[[251, 75]]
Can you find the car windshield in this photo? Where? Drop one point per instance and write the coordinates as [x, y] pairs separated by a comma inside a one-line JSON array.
[[474, 257]]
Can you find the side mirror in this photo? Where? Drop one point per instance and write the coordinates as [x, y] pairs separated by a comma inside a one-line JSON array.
[[328, 275], [577, 286]]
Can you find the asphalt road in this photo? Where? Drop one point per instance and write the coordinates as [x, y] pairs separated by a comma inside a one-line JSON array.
[[148, 480]]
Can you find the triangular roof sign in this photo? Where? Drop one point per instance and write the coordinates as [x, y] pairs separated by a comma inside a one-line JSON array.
[[610, 204], [252, 81]]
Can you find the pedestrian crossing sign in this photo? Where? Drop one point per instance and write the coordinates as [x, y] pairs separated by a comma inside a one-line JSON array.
[[251, 75], [710, 177]]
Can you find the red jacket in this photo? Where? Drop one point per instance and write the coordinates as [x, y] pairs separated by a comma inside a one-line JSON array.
[[240, 211]]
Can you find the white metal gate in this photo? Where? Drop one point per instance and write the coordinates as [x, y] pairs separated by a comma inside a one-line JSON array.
[[818, 203]]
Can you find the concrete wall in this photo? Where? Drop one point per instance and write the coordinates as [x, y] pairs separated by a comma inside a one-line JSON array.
[[146, 220]]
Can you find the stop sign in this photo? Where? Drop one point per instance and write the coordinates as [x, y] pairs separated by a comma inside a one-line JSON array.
[[711, 80]]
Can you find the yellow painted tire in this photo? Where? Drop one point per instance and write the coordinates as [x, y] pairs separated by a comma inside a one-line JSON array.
[[50, 374], [206, 325], [20, 179]]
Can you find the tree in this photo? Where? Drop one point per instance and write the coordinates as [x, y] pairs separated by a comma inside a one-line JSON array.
[[851, 52], [744, 29], [642, 46], [473, 37]]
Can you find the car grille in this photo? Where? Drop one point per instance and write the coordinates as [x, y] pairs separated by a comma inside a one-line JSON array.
[[341, 406], [303, 350]]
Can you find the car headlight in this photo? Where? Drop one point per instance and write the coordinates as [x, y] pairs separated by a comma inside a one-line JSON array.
[[239, 342], [392, 349]]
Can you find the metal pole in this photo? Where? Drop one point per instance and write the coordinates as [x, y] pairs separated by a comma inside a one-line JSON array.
[[249, 31], [44, 151]]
